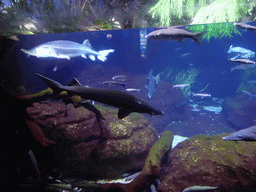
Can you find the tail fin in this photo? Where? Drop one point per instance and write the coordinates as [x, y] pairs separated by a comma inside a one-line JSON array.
[[54, 85], [198, 36], [104, 53]]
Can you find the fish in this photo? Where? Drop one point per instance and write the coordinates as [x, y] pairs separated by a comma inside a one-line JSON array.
[[248, 134], [63, 49], [243, 61], [174, 33], [201, 95], [55, 69], [157, 77], [242, 66], [132, 89], [245, 26], [240, 53], [185, 54], [200, 188], [126, 102], [120, 78], [180, 86], [34, 162], [114, 83], [151, 84], [250, 94]]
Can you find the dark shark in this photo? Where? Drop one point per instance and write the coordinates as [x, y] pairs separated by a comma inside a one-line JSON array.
[[126, 103]]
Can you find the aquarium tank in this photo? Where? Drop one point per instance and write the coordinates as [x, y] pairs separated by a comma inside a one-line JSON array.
[[128, 95]]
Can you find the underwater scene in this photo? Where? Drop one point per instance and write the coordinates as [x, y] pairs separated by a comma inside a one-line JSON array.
[[166, 109]]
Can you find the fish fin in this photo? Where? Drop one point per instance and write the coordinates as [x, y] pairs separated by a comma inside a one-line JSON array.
[[92, 57], [87, 44], [122, 113], [54, 85], [197, 37], [146, 86], [104, 53], [74, 82], [84, 56]]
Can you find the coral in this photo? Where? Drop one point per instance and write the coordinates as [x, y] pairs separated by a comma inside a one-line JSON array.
[[186, 77]]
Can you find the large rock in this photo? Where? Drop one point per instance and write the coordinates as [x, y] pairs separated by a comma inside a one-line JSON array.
[[105, 149], [211, 161], [239, 111]]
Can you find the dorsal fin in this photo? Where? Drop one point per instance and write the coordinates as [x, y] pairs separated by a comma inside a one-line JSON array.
[[87, 44], [74, 82]]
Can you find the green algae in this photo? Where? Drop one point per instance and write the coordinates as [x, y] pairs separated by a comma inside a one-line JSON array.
[[213, 148]]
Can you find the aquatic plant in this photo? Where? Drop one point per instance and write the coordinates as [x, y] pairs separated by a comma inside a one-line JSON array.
[[186, 77], [200, 11], [216, 30]]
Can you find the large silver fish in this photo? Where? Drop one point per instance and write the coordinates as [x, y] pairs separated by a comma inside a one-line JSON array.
[[174, 33], [63, 49]]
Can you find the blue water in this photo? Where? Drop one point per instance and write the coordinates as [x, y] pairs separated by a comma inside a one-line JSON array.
[[211, 60], [210, 57]]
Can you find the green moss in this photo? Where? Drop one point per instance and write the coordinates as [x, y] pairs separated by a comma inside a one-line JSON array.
[[214, 149]]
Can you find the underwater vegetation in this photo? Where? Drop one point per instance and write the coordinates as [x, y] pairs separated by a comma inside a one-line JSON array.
[[215, 30], [171, 12]]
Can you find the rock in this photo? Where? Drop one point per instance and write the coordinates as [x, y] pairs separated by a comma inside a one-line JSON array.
[[210, 161], [106, 149], [238, 112]]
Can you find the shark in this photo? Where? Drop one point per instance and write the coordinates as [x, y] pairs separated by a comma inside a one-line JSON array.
[[63, 49], [151, 84], [240, 53], [248, 134], [126, 102]]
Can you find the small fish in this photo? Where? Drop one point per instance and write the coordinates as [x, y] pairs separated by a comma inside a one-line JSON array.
[[240, 53], [252, 82], [195, 110], [243, 61], [55, 69], [120, 78], [250, 94], [245, 26], [201, 95], [200, 188], [157, 77], [114, 83], [185, 54], [242, 66], [109, 36], [174, 33], [151, 87], [132, 89], [180, 86]]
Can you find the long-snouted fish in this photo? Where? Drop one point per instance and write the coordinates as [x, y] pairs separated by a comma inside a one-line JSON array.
[[63, 49], [126, 102], [174, 33]]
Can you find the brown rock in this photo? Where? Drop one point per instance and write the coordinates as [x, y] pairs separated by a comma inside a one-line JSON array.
[[210, 161], [106, 149]]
